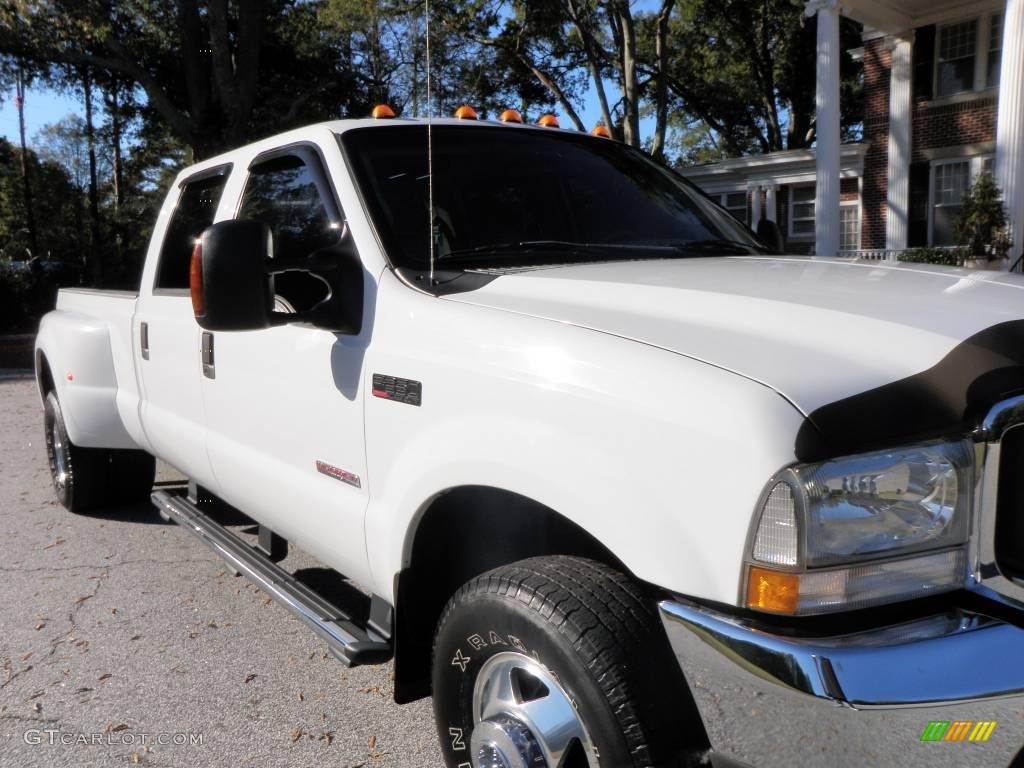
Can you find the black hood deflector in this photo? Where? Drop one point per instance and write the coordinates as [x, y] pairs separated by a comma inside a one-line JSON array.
[[949, 399]]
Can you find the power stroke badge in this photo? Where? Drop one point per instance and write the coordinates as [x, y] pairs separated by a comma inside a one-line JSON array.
[[397, 389]]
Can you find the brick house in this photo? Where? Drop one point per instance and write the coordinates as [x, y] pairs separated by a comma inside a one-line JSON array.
[[944, 102]]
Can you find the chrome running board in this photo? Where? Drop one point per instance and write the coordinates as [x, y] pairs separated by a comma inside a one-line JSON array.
[[352, 644]]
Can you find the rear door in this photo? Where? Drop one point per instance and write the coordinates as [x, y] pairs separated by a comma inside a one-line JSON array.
[[167, 337], [284, 405]]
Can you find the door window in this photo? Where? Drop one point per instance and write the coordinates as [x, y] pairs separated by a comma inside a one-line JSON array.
[[196, 208], [289, 194]]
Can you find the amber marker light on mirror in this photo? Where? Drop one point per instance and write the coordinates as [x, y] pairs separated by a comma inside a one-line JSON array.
[[600, 130], [465, 112], [548, 121], [510, 116], [195, 279], [773, 591], [382, 112]]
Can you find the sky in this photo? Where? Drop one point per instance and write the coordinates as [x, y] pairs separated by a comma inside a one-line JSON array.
[[41, 107]]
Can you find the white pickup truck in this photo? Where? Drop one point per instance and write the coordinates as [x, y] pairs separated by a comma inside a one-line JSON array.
[[626, 487]]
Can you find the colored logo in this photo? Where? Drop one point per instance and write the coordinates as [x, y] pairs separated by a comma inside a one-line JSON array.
[[958, 730]]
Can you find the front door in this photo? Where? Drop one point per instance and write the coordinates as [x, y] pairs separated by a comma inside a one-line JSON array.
[[284, 406]]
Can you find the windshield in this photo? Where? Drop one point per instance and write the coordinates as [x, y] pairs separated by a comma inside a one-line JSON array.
[[506, 197]]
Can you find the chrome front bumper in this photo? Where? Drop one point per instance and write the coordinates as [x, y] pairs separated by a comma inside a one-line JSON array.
[[859, 700]]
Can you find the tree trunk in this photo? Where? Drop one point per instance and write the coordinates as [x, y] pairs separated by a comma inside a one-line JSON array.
[[114, 110], [113, 103], [30, 217], [626, 38], [594, 63], [95, 244], [661, 84]]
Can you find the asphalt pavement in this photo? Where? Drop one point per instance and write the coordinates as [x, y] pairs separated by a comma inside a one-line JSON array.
[[124, 640]]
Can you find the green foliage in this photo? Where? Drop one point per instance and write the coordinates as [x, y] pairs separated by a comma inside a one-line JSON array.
[[746, 71], [16, 298], [950, 257], [981, 226]]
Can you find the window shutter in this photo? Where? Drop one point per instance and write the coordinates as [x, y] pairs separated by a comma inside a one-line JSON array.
[[917, 225], [924, 62]]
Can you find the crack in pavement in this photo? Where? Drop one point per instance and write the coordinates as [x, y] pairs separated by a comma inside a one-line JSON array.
[[61, 638], [144, 561]]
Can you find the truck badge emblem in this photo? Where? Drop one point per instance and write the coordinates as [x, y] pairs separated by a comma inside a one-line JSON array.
[[401, 390], [338, 474]]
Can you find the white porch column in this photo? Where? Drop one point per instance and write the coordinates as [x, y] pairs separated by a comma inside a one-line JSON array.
[[755, 205], [898, 195], [1010, 123], [770, 207], [826, 200]]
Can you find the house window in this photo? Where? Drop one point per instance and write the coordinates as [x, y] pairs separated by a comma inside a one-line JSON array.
[[736, 204], [995, 50], [849, 226], [968, 55], [957, 51], [801, 212], [951, 180]]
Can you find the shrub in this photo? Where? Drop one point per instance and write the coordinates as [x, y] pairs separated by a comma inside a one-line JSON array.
[[950, 257], [981, 225]]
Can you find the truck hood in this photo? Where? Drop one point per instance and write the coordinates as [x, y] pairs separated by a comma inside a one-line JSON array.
[[815, 330]]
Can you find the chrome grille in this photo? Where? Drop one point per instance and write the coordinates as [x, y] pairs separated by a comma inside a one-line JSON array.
[[997, 543]]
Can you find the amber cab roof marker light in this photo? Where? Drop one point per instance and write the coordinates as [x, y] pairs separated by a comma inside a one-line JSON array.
[[510, 116], [548, 121], [465, 112], [382, 112], [602, 131]]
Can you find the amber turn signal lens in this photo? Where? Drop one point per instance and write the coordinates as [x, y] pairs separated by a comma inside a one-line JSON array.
[[510, 116], [548, 121], [382, 112], [600, 130], [772, 590], [195, 279], [465, 112]]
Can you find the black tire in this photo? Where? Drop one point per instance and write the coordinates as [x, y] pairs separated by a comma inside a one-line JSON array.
[[87, 478], [596, 633]]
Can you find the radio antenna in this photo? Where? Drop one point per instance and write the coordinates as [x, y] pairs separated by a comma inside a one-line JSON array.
[[430, 146]]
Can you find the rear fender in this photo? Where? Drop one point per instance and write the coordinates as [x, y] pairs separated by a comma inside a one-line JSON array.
[[77, 349]]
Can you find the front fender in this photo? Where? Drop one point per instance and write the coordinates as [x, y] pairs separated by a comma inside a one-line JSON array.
[[77, 347], [659, 457]]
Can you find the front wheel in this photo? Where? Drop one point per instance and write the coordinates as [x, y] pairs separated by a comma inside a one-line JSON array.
[[557, 662]]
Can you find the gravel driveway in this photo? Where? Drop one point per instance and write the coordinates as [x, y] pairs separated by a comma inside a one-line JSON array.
[[125, 640]]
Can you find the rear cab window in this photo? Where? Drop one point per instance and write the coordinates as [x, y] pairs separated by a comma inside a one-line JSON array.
[[194, 212]]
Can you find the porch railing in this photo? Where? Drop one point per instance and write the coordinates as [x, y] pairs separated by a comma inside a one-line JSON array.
[[893, 254]]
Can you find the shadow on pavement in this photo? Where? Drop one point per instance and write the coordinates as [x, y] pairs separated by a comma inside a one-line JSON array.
[[336, 589]]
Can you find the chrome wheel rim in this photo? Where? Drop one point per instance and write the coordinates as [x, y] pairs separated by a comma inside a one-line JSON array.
[[523, 718], [60, 466]]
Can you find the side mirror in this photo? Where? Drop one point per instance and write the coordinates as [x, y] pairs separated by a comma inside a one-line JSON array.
[[232, 283], [769, 233], [231, 290]]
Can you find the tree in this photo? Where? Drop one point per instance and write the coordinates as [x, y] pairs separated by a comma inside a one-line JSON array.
[[219, 74], [746, 70], [26, 186]]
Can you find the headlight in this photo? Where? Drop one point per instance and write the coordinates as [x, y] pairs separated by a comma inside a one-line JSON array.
[[877, 514]]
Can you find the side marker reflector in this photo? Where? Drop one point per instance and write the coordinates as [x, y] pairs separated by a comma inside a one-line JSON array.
[[773, 591]]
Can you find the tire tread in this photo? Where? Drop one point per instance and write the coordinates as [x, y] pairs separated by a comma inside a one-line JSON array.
[[608, 619]]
